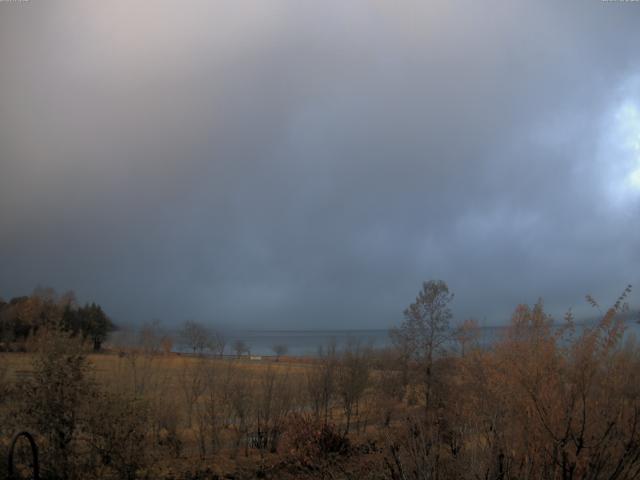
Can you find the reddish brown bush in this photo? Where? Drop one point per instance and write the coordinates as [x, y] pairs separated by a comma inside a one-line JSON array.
[[310, 441]]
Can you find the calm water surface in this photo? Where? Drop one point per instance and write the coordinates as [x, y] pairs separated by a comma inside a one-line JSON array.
[[304, 342]]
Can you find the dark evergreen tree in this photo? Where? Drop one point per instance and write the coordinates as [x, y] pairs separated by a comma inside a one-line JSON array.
[[94, 324]]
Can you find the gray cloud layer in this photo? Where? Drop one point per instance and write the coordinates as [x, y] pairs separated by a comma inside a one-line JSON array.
[[292, 164]]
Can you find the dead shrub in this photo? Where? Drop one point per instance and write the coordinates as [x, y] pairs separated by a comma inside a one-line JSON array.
[[310, 441]]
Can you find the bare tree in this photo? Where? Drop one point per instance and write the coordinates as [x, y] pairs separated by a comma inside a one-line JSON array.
[[353, 378], [166, 344], [211, 410], [466, 334], [150, 337], [241, 400], [321, 382], [240, 347], [218, 343], [390, 385], [273, 403], [425, 329], [139, 358], [279, 350], [196, 336], [192, 381]]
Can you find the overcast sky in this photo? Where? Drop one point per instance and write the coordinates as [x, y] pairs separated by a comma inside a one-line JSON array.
[[307, 164]]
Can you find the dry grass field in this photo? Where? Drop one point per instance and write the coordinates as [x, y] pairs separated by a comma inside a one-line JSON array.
[[208, 416]]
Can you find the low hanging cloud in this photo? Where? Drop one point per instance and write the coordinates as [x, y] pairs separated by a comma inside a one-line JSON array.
[[295, 164]]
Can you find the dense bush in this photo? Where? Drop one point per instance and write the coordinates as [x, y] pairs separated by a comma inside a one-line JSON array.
[[310, 441]]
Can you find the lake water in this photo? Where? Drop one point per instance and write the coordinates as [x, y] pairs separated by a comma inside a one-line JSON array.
[[304, 342]]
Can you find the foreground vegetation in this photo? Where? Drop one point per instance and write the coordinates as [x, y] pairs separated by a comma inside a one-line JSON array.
[[547, 401]]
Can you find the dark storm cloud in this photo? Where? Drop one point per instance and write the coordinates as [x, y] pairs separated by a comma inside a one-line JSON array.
[[308, 164]]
